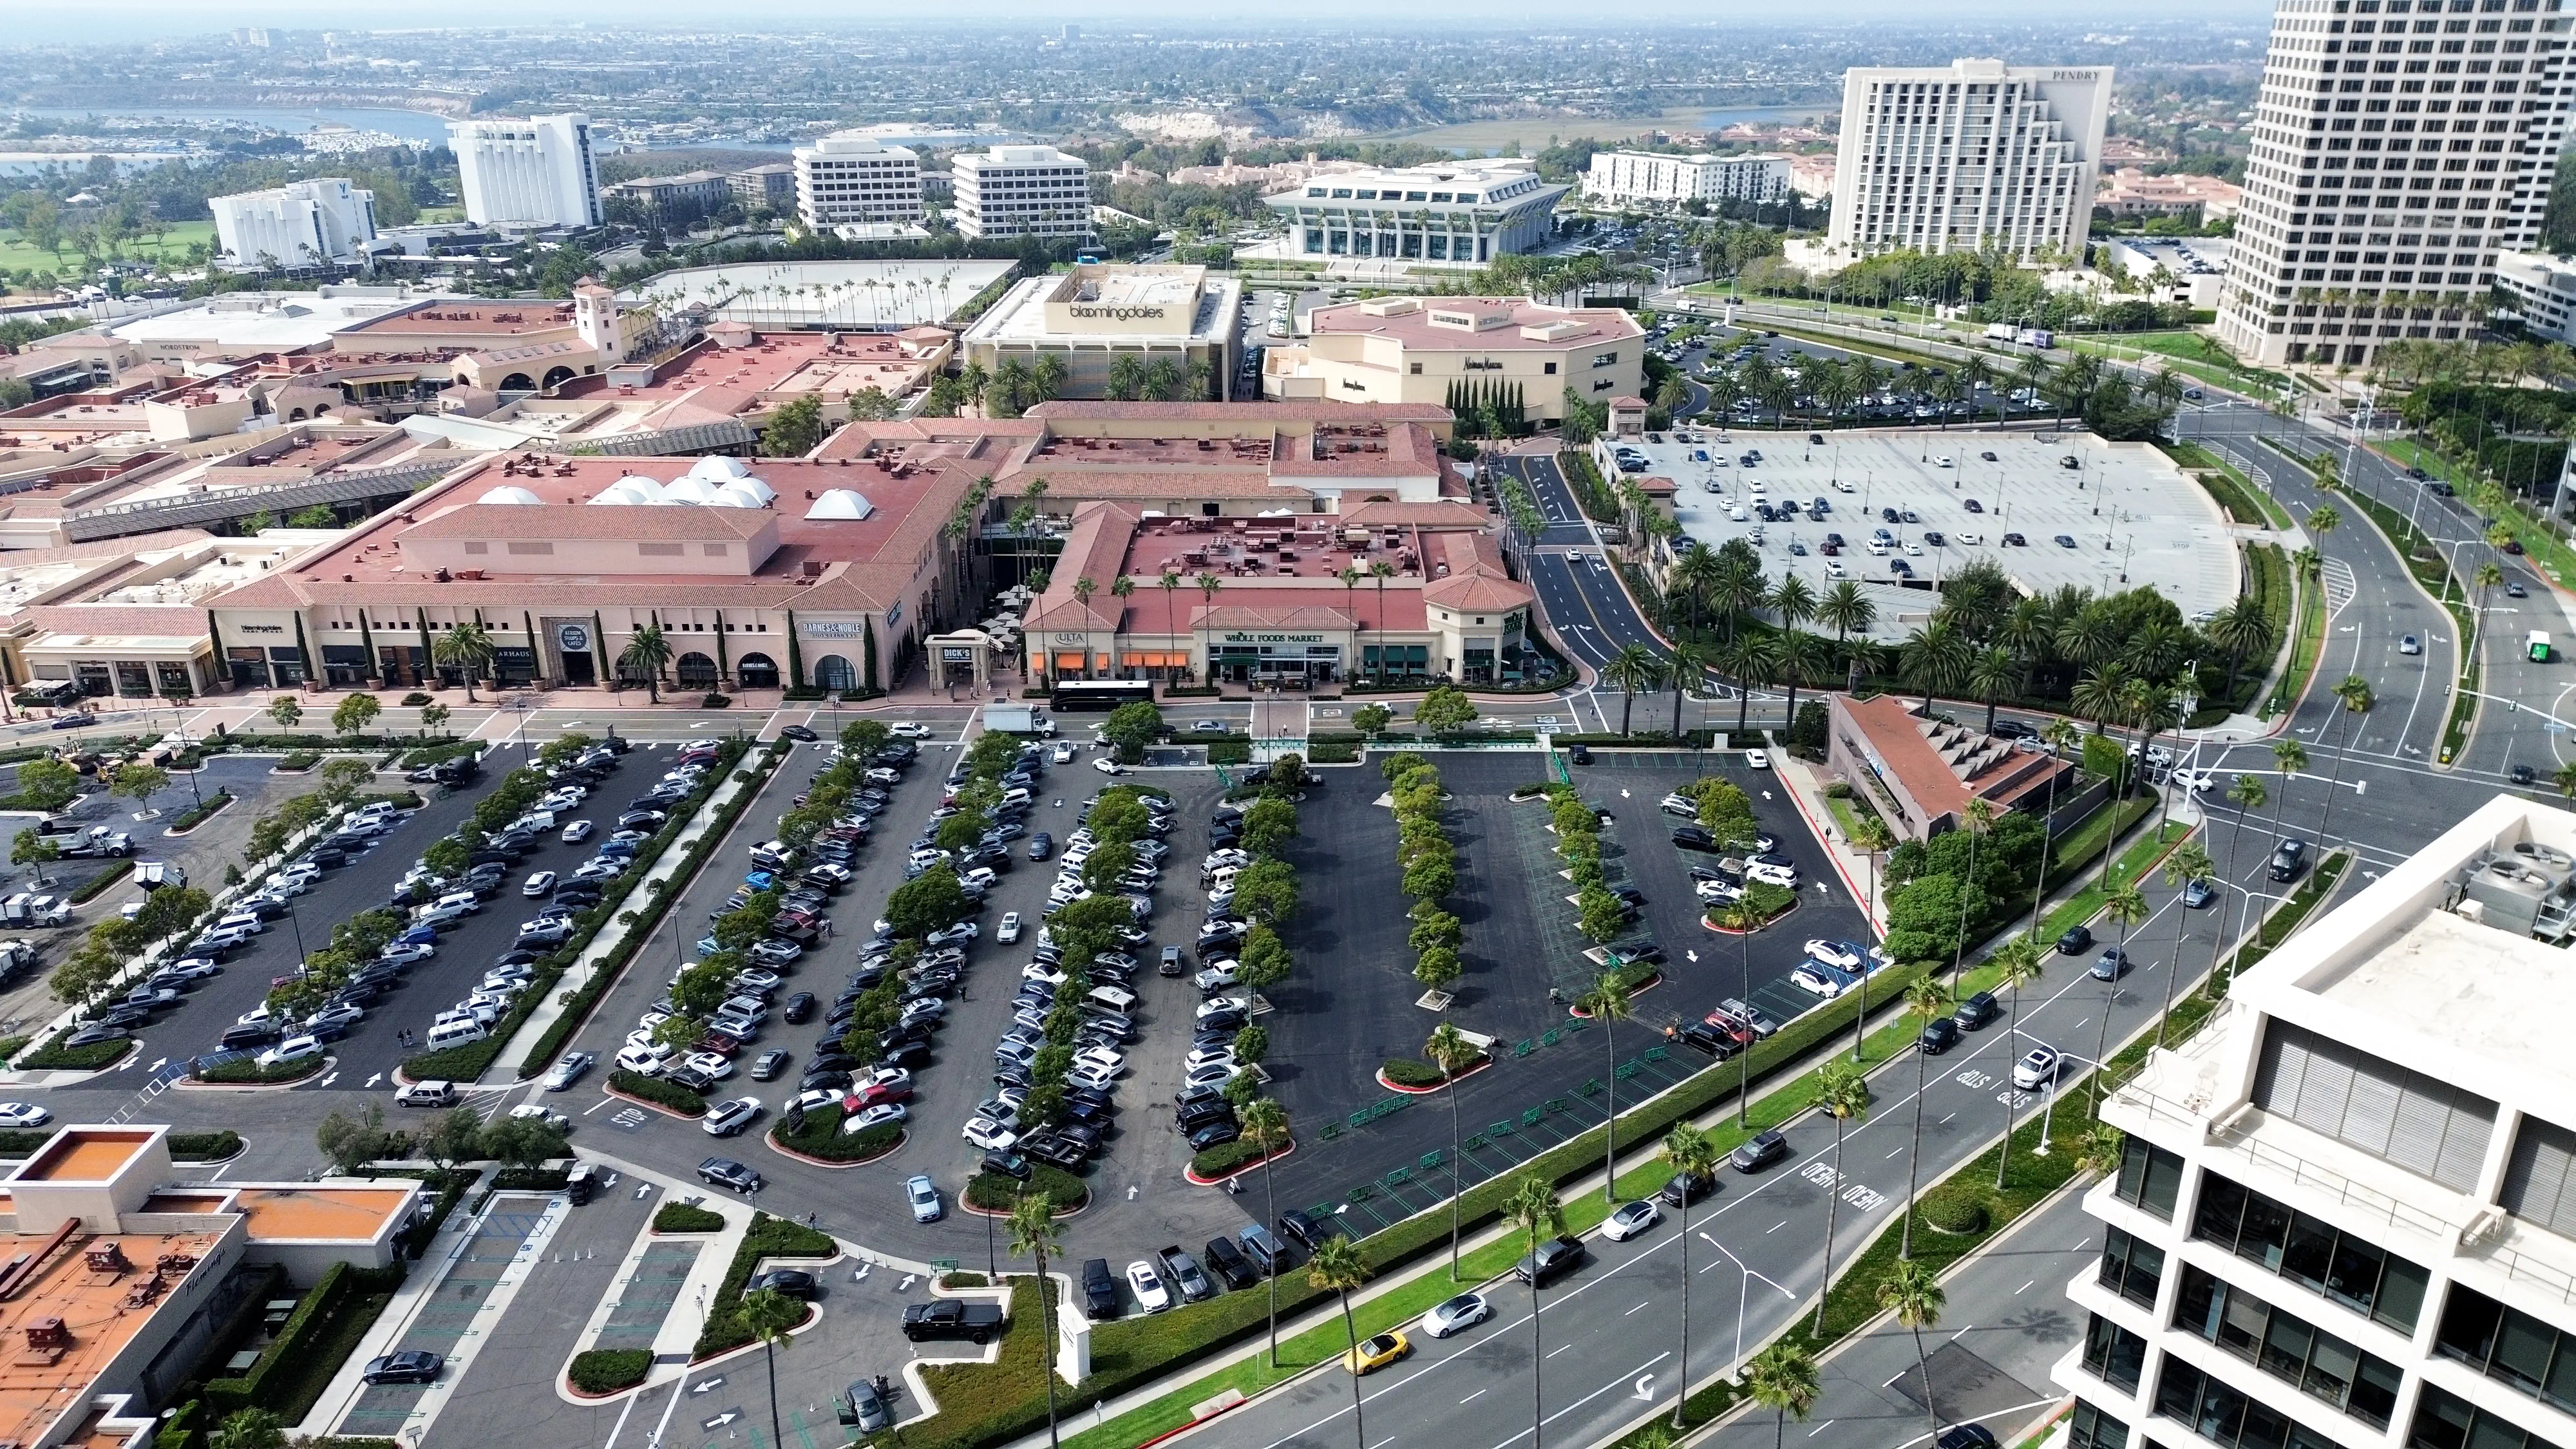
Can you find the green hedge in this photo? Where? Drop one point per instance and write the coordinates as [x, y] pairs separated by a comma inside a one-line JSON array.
[[450, 1187], [823, 1138], [1225, 1157], [55, 1057], [654, 1089], [98, 884], [606, 1370], [1961, 1205], [246, 1069], [1412, 1072], [300, 760], [1230, 752], [686, 1217], [994, 1192], [988, 1403], [1331, 753], [768, 1238], [531, 1179], [204, 1146], [658, 898], [199, 814], [438, 754], [318, 1336]]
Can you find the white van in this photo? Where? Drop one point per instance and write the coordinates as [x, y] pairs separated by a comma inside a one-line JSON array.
[[454, 1031], [1111, 998]]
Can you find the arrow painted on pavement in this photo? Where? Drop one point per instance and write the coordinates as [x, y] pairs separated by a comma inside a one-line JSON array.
[[127, 1065], [861, 1276], [159, 1062], [1690, 955], [1623, 794], [1645, 1386], [907, 1282], [327, 1079], [377, 1077], [702, 1385], [720, 1420], [1131, 1192]]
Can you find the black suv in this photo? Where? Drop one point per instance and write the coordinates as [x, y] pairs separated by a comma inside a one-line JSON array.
[[1099, 1291], [1763, 1149], [2288, 860], [1977, 1010], [1692, 837]]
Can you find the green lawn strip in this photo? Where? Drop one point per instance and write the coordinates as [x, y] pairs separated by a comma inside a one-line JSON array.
[[2307, 646], [2074, 852], [2132, 866], [2494, 502], [1847, 815]]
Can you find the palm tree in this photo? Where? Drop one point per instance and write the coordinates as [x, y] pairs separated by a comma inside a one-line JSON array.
[[1609, 1003], [1796, 655], [248, 1429], [1532, 1208], [1794, 600], [1935, 657], [1632, 669], [1748, 658], [1449, 1050], [2096, 696], [1122, 588], [2291, 758], [1913, 1293], [1783, 1379], [1338, 1268], [2017, 963], [1687, 666], [1381, 571], [466, 647], [648, 654], [1692, 1154], [1989, 670], [773, 1318], [2242, 629], [1872, 838], [1847, 608], [2323, 519], [1265, 1126], [2126, 907], [1208, 585], [2564, 777], [2355, 693], [2189, 863], [1034, 1232], [1842, 1094], [2248, 794], [1695, 575], [1925, 1001], [1171, 580]]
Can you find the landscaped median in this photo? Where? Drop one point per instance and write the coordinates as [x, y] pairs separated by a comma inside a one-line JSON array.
[[654, 1092], [818, 1139], [767, 1238]]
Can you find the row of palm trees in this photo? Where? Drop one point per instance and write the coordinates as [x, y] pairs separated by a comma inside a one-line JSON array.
[[468, 649]]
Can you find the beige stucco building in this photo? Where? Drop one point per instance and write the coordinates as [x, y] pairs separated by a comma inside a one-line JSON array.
[[1454, 352], [1092, 315]]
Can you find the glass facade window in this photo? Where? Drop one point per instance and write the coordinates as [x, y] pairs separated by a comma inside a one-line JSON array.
[[2132, 1268], [2090, 1428], [2509, 1346], [2150, 1178], [2287, 1347], [2352, 1271], [2219, 1413], [2113, 1354], [2447, 1421]]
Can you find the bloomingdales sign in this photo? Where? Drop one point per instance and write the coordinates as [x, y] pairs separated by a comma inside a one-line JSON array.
[[1117, 314]]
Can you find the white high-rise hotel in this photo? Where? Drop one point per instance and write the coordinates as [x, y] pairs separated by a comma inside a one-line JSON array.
[[2399, 147], [1973, 156], [321, 221], [2345, 1215], [534, 173]]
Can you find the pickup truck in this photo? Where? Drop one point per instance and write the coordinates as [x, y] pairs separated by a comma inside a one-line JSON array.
[[97, 841], [949, 1318], [1183, 1272]]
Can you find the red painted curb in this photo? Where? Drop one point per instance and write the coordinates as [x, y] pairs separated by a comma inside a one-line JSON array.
[[1197, 1181], [1431, 1091]]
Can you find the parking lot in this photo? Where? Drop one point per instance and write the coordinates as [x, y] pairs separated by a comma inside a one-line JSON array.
[[373, 1048], [2123, 517], [1373, 1156]]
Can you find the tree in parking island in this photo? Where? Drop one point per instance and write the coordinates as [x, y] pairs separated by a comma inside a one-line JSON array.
[[1783, 1379], [47, 785], [930, 901], [1130, 728], [1444, 711], [352, 715], [1450, 1051]]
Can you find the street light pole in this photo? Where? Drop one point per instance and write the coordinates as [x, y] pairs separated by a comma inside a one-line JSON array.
[[1743, 1291]]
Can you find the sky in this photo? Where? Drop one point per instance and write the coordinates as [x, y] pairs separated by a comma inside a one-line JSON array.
[[59, 21]]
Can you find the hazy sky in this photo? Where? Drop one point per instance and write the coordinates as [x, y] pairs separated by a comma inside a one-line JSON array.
[[53, 21]]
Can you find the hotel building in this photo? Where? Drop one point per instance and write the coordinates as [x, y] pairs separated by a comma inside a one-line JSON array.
[[2400, 147], [2345, 1213], [317, 223], [527, 175], [1462, 212], [1968, 157]]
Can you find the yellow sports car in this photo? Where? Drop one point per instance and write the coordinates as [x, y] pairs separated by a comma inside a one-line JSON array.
[[1376, 1353]]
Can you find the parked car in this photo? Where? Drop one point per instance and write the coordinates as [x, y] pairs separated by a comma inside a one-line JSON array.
[[1759, 1151], [1552, 1259], [2037, 1068]]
